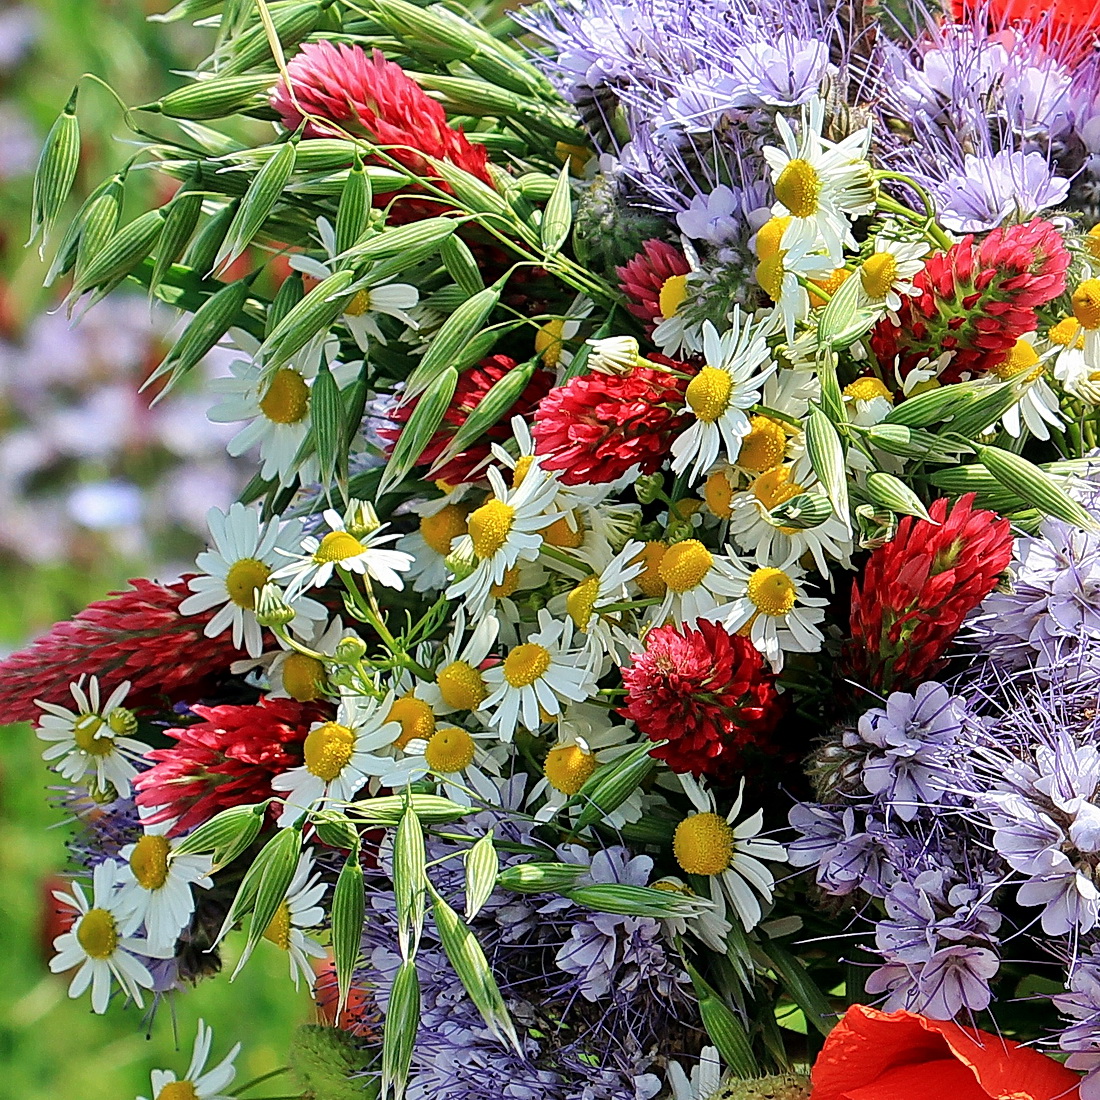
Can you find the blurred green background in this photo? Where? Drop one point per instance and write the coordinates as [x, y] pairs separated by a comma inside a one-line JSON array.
[[51, 1047]]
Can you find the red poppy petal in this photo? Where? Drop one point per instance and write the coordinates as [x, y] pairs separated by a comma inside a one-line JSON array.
[[926, 1081]]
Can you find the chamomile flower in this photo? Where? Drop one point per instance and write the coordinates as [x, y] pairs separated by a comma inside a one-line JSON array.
[[370, 300], [755, 529], [730, 382], [781, 275], [697, 584], [1086, 311], [430, 543], [101, 942], [505, 530], [91, 740], [868, 401], [300, 676], [199, 1083], [730, 855], [552, 335], [771, 607], [678, 330], [820, 185], [705, 1081], [535, 678], [156, 885], [1038, 406], [459, 683], [298, 911], [887, 275], [244, 558], [362, 551], [340, 756], [449, 753]]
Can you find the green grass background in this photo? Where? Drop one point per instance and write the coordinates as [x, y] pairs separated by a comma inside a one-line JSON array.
[[52, 1048]]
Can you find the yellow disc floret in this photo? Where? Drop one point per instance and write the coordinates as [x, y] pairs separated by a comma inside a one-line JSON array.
[[685, 564], [718, 493], [548, 341], [798, 187], [506, 587], [703, 844], [567, 767], [764, 446], [775, 487], [244, 579], [581, 602], [85, 729], [359, 304], [337, 546], [567, 532], [867, 389], [1021, 358], [97, 934], [1067, 331], [770, 273], [328, 749], [772, 592], [415, 718], [1086, 304], [1092, 242], [287, 398], [708, 393], [303, 677], [440, 529], [489, 526], [770, 236], [830, 285], [278, 928], [149, 861], [878, 274], [449, 750], [177, 1090], [649, 580], [674, 291], [461, 686], [523, 465], [526, 663]]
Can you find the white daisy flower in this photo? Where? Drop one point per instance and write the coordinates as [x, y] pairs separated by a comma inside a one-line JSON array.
[[551, 337], [156, 884], [755, 531], [359, 552], [868, 401], [712, 846], [781, 276], [505, 530], [459, 683], [771, 607], [820, 185], [1086, 339], [384, 298], [91, 739], [298, 911], [705, 1081], [245, 555], [705, 923], [887, 275], [287, 673], [449, 753], [430, 543], [736, 365], [198, 1083], [698, 584], [536, 677], [101, 943], [1038, 406], [340, 756]]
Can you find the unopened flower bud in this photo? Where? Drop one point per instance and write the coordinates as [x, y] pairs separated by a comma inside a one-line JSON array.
[[783, 1086], [678, 531], [104, 795], [361, 519], [271, 608], [648, 486], [461, 560], [613, 355], [341, 676], [122, 721], [350, 650]]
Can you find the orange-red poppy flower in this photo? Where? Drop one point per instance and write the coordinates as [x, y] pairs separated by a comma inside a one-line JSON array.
[[874, 1055]]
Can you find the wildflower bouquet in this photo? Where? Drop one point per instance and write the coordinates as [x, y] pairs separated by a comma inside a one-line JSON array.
[[666, 611]]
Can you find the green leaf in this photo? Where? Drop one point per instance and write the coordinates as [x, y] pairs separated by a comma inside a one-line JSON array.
[[827, 459], [410, 880], [419, 428], [348, 909], [461, 265], [482, 867], [53, 178], [891, 493], [1034, 487], [557, 216], [801, 988], [724, 1028], [399, 1033]]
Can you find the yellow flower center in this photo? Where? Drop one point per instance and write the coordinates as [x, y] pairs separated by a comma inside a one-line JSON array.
[[830, 285], [685, 564], [244, 579], [548, 341], [523, 466], [122, 721], [178, 1090], [867, 389], [85, 729], [461, 686], [449, 750], [507, 586], [415, 718], [770, 236], [708, 393], [440, 530], [287, 398], [581, 602], [774, 487], [878, 274], [567, 532], [567, 768], [359, 304], [337, 546], [772, 591], [489, 526], [674, 290], [798, 187], [97, 934], [1092, 242], [764, 446], [769, 274], [649, 580], [303, 677], [278, 928], [718, 493], [149, 861], [1086, 304], [1022, 357], [526, 663], [703, 844], [328, 749], [1067, 331]]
